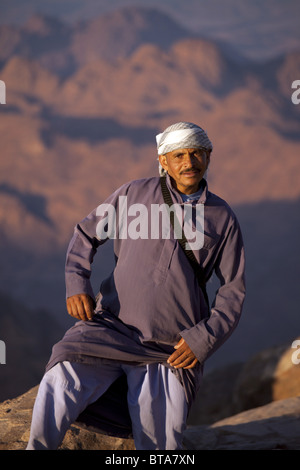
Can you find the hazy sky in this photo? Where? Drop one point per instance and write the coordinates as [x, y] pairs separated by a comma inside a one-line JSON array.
[[258, 28], [191, 12]]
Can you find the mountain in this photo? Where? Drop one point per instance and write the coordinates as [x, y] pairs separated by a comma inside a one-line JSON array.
[[121, 32], [79, 124], [39, 38], [28, 336], [63, 48]]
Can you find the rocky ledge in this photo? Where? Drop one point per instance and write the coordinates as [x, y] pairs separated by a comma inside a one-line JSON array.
[[252, 406]]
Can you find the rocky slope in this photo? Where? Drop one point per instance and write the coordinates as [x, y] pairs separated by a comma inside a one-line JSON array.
[[251, 406], [270, 427]]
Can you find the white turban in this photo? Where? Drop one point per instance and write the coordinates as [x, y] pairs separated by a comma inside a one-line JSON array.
[[181, 135]]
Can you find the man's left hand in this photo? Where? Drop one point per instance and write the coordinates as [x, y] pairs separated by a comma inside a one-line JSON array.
[[183, 357]]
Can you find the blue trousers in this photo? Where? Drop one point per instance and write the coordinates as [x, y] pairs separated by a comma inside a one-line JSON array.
[[156, 403]]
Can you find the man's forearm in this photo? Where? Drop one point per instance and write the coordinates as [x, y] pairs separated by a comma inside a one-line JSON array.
[[78, 266]]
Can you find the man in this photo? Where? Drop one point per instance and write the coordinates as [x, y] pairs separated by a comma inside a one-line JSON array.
[[151, 322]]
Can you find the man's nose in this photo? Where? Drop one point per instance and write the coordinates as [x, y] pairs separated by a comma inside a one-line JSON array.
[[189, 159]]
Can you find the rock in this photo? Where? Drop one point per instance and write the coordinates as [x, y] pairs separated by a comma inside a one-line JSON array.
[[78, 438], [268, 376], [214, 400], [15, 420], [272, 426], [241, 406]]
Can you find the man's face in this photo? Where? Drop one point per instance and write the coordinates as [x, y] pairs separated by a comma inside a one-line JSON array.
[[186, 167]]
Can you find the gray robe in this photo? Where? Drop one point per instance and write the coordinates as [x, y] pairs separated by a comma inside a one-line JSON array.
[[152, 297]]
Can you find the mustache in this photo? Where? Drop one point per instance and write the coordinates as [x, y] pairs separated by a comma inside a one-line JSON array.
[[187, 170]]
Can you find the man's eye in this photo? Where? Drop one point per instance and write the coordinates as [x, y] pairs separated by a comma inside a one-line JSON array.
[[199, 154]]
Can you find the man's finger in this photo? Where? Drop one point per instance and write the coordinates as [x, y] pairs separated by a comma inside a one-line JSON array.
[[173, 357], [178, 358], [88, 307], [183, 360], [183, 356], [80, 307], [192, 364], [179, 344], [72, 308], [180, 348]]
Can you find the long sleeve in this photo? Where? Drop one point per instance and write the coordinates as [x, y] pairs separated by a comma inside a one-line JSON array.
[[79, 259], [88, 235], [209, 334]]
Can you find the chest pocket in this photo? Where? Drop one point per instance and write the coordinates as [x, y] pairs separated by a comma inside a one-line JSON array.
[[161, 269], [210, 244]]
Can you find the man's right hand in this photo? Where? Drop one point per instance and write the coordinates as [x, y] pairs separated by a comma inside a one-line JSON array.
[[80, 306]]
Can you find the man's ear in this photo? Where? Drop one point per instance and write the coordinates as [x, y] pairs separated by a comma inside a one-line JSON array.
[[163, 162]]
